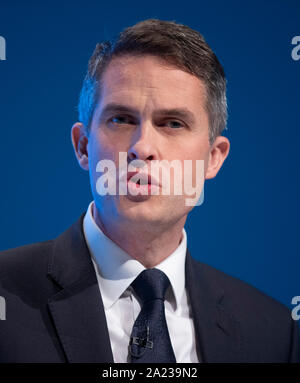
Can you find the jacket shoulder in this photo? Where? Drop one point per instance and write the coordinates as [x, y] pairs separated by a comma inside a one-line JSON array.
[[267, 329], [24, 263], [242, 297]]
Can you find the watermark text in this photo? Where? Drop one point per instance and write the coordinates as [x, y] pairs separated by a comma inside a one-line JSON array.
[[2, 308], [2, 49], [296, 50]]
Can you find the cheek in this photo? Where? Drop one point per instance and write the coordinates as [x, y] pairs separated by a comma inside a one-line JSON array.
[[192, 152], [100, 148], [194, 163]]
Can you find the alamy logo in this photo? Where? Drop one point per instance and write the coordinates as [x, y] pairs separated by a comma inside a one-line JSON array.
[[296, 50], [296, 309], [2, 49], [2, 308], [163, 177]]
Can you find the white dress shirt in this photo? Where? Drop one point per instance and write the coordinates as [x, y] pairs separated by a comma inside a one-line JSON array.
[[116, 270]]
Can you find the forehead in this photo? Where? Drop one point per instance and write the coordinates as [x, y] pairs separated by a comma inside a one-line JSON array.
[[149, 77]]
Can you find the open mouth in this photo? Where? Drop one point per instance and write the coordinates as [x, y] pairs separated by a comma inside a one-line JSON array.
[[141, 179], [139, 182], [142, 183]]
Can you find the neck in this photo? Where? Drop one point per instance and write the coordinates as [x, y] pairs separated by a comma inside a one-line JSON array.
[[149, 246]]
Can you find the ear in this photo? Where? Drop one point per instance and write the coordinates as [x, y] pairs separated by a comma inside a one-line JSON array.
[[218, 153], [80, 142]]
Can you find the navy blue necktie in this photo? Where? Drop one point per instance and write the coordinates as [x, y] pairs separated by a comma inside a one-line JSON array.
[[150, 340]]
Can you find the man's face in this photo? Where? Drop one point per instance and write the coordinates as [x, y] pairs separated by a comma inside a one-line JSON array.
[[145, 87]]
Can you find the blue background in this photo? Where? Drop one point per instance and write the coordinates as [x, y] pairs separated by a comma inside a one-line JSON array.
[[248, 225]]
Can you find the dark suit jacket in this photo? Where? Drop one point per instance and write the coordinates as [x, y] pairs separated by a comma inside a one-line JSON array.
[[54, 311]]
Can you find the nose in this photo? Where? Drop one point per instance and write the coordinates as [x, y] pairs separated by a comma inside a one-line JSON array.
[[144, 143]]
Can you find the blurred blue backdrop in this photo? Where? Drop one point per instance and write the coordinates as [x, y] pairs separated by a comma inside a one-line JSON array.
[[248, 225]]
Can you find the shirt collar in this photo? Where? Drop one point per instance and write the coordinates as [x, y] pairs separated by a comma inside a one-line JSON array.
[[117, 269]]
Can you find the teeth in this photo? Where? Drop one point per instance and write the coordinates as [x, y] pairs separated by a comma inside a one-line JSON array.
[[140, 179], [144, 182]]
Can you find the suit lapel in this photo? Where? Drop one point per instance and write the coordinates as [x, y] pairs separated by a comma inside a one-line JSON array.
[[77, 309], [218, 336]]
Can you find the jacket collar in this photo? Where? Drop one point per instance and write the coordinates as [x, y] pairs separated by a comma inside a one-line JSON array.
[[70, 260]]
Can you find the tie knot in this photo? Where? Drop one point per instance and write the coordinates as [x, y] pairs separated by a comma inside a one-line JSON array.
[[151, 284]]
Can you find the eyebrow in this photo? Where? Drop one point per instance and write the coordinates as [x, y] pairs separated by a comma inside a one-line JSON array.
[[182, 113]]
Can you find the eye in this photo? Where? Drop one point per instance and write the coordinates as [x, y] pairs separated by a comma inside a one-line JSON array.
[[121, 120], [174, 124]]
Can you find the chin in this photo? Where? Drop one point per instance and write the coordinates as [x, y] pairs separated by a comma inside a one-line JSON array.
[[141, 212]]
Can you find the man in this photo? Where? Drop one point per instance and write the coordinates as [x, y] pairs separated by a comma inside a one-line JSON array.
[[120, 285]]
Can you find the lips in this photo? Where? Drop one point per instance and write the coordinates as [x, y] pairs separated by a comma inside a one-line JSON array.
[[142, 178]]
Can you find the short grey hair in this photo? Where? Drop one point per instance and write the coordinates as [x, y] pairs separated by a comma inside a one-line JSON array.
[[175, 43]]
